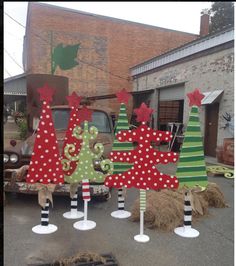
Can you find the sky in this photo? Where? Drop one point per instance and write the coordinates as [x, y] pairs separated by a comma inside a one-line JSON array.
[[182, 16]]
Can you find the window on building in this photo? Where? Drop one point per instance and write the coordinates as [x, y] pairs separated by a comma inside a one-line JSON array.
[[170, 111]]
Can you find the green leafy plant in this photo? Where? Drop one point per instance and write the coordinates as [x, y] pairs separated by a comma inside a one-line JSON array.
[[22, 128]]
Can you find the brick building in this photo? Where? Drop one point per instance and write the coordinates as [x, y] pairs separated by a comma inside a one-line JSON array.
[[206, 63], [108, 47]]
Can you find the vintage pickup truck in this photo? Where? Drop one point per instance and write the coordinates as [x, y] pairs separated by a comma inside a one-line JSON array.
[[17, 157]]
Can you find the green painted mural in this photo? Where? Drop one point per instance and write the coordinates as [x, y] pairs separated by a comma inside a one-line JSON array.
[[64, 57]]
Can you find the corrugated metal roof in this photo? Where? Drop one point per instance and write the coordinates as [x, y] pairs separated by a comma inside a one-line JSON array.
[[15, 85], [191, 48]]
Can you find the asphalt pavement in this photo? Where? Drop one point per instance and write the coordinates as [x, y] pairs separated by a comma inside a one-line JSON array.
[[214, 246]]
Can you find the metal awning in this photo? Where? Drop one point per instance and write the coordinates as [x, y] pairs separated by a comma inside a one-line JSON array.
[[212, 96]]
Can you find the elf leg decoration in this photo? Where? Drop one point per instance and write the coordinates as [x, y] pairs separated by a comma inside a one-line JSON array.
[[187, 230], [121, 213], [74, 213], [141, 237], [85, 224], [45, 227]]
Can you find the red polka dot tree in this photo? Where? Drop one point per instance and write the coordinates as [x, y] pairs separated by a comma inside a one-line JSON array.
[[143, 174], [45, 166], [74, 120]]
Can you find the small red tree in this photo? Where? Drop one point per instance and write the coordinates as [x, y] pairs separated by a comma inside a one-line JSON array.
[[45, 166], [143, 174], [74, 120]]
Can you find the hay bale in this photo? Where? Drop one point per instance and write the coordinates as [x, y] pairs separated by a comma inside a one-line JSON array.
[[165, 209], [80, 257], [214, 196]]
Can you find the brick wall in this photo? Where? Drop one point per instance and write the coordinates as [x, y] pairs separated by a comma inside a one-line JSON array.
[[109, 44], [208, 73]]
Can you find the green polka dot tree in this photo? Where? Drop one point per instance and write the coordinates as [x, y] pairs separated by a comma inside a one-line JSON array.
[[191, 170], [120, 167], [85, 169]]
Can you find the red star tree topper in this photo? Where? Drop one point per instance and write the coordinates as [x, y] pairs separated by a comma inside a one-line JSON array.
[[195, 97], [74, 120], [123, 96], [143, 174], [45, 166]]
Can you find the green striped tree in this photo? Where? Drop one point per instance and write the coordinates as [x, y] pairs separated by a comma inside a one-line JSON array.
[[120, 167], [191, 170]]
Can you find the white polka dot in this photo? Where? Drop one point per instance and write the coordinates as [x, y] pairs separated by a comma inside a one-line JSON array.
[[38, 136], [160, 179]]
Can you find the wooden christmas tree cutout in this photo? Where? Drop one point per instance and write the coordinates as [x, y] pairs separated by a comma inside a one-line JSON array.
[[45, 166], [119, 167], [85, 168], [143, 174]]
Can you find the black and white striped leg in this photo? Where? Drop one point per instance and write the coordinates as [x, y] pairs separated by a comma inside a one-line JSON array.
[[74, 202], [187, 230], [121, 199], [187, 212], [45, 214], [45, 227], [121, 213], [73, 213]]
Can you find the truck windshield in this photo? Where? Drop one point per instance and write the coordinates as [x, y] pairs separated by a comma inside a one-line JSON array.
[[99, 120]]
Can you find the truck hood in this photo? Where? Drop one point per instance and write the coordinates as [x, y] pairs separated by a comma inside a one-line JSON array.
[[26, 147]]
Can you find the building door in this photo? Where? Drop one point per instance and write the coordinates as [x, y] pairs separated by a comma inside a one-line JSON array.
[[211, 126]]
